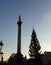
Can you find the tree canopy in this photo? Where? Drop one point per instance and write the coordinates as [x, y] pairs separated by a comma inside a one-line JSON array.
[[34, 46]]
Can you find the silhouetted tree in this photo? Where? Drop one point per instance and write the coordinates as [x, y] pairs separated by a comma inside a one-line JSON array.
[[34, 48]]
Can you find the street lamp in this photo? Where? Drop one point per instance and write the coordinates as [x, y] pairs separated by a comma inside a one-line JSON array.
[[1, 56], [1, 45], [1, 53]]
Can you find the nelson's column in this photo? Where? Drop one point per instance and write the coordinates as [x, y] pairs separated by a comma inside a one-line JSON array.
[[19, 55], [18, 59], [19, 36]]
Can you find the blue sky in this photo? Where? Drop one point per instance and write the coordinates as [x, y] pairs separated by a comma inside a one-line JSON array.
[[34, 13]]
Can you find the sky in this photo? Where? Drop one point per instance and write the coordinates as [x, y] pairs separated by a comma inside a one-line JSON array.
[[34, 13]]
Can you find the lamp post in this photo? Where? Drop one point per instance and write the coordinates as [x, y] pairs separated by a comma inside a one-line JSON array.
[[1, 53]]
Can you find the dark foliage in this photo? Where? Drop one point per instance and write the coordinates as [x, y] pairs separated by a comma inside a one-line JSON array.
[[34, 47]]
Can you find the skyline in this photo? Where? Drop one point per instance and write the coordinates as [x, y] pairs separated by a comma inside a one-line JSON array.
[[33, 13]]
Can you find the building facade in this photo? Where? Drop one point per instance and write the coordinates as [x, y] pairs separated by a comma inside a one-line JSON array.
[[46, 58]]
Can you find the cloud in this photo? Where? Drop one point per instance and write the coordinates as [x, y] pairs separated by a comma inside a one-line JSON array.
[[46, 31], [47, 20]]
